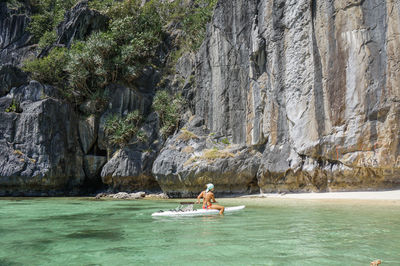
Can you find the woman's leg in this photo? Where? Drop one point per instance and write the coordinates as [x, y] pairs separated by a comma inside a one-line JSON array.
[[218, 207]]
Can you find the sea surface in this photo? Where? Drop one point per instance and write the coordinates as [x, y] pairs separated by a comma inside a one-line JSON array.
[[83, 231]]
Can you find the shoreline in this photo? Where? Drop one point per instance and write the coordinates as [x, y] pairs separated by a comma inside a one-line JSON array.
[[355, 195], [391, 195]]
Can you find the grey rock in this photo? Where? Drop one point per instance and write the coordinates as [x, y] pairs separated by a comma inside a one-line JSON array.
[[157, 196], [121, 195], [11, 76], [33, 92], [92, 165], [130, 170], [124, 195], [14, 38], [101, 195], [40, 152], [80, 22], [92, 107], [195, 157], [87, 133], [313, 85], [122, 101]]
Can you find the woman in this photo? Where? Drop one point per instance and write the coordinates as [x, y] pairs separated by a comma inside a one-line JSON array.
[[208, 199]]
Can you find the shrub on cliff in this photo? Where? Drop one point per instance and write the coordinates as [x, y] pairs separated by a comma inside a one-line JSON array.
[[117, 55], [169, 110], [46, 16], [90, 66], [49, 69], [192, 18], [121, 130]]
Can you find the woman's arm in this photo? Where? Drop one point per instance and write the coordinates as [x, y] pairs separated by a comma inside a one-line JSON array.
[[200, 196], [213, 199]]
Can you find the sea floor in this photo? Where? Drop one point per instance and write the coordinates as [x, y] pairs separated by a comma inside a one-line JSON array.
[[270, 231]]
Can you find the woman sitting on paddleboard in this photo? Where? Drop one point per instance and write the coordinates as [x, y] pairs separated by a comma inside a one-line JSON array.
[[208, 196]]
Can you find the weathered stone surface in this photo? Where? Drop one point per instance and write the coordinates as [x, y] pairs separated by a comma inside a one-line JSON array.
[[130, 168], [195, 157], [87, 133], [92, 165], [124, 195], [80, 22], [157, 196], [315, 84], [11, 76], [123, 100], [14, 39], [39, 147]]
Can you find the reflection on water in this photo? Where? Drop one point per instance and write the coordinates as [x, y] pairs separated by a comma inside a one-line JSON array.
[[64, 231], [100, 234], [7, 262]]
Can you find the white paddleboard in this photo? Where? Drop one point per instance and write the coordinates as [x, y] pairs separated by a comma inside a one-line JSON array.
[[197, 212]]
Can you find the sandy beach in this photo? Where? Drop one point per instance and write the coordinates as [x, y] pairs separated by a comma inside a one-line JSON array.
[[360, 195]]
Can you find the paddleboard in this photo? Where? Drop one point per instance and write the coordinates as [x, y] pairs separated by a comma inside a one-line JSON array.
[[197, 212]]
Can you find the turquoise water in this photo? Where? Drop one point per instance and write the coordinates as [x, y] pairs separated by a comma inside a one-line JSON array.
[[81, 231]]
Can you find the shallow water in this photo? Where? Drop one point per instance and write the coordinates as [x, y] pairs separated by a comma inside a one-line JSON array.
[[81, 231]]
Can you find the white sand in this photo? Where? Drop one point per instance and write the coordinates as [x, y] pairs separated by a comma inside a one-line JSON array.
[[362, 195]]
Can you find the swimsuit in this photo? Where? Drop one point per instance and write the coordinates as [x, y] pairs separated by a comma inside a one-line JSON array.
[[207, 206]]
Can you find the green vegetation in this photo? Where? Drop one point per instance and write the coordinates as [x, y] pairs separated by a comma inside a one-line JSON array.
[[169, 110], [47, 14], [117, 55], [120, 130], [101, 5], [212, 154], [225, 141], [14, 4], [194, 23], [47, 39], [187, 135], [120, 53], [193, 18], [49, 69], [14, 107]]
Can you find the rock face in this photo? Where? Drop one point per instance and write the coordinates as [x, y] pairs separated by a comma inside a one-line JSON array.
[[129, 169], [123, 100], [80, 22], [14, 39], [286, 95], [39, 146], [11, 76], [314, 82], [195, 157]]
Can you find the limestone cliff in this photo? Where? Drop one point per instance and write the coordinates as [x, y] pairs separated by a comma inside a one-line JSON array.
[[313, 85], [283, 95]]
